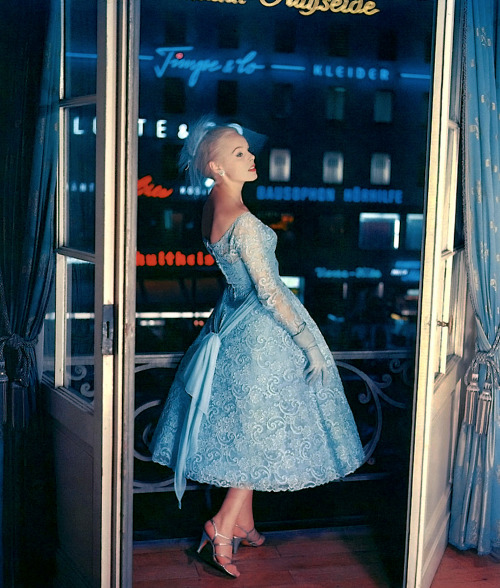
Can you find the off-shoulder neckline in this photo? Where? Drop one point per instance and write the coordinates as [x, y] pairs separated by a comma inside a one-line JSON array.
[[231, 226]]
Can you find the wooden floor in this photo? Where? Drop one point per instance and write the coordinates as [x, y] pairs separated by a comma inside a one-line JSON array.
[[314, 558]]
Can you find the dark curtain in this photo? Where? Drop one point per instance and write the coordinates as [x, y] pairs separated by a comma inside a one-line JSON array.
[[29, 63]]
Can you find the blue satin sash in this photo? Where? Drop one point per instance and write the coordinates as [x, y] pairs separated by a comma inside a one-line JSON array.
[[198, 378]]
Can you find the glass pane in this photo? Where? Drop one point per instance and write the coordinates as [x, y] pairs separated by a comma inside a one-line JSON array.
[[49, 340], [80, 181], [79, 375], [80, 48]]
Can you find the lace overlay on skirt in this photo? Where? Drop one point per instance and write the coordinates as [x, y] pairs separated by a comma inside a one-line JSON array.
[[264, 427]]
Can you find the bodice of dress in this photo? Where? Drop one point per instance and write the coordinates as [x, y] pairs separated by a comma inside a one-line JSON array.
[[246, 257]]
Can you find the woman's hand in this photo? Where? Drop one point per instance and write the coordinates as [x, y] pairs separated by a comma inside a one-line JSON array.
[[316, 369], [316, 364]]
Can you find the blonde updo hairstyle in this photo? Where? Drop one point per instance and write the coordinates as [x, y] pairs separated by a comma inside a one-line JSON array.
[[209, 149]]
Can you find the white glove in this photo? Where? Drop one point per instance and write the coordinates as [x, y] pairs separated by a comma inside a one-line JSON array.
[[316, 367]]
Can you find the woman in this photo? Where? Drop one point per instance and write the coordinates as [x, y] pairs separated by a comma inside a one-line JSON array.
[[257, 402]]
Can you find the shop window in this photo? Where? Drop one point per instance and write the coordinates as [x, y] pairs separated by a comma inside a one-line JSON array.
[[229, 34], [380, 171], [379, 230], [335, 103], [285, 37], [383, 106], [279, 165], [338, 41], [333, 167], [227, 97], [282, 100], [388, 46], [175, 92], [414, 227]]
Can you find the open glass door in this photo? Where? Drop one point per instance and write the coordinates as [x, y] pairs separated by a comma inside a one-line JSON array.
[[445, 317], [89, 336]]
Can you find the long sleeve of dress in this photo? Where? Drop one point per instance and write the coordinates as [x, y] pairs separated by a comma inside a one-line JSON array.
[[255, 246]]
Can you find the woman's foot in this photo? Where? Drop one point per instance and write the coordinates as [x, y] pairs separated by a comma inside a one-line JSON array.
[[222, 548], [250, 538]]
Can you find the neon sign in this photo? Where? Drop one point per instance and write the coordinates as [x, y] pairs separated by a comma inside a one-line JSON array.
[[374, 195], [360, 273], [174, 58], [177, 259], [351, 195], [145, 187], [308, 7]]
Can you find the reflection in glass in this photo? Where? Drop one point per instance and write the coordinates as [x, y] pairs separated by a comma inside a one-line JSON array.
[[80, 184], [81, 48], [79, 375], [49, 341], [379, 230]]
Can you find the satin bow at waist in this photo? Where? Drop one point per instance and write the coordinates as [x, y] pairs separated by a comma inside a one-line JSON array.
[[198, 379]]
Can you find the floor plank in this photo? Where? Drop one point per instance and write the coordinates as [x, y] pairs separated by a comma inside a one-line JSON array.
[[337, 558]]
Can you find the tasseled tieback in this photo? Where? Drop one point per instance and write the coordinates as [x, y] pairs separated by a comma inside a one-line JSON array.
[[478, 403], [24, 351]]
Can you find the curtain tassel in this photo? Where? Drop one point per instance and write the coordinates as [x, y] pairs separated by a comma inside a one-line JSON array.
[[484, 410], [471, 400]]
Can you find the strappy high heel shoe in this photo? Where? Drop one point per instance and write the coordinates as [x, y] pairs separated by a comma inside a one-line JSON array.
[[256, 542], [205, 538]]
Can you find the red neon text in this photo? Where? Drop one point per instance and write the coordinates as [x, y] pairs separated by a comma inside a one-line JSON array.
[[145, 187], [176, 259]]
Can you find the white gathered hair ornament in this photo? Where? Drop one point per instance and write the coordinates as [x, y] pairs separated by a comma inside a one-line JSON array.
[[190, 150]]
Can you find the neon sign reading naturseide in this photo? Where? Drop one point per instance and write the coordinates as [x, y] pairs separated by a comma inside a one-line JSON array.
[[308, 7], [182, 59]]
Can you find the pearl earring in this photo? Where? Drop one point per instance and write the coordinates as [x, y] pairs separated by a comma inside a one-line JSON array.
[[221, 172]]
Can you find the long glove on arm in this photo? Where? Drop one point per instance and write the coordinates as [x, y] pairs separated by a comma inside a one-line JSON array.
[[316, 368]]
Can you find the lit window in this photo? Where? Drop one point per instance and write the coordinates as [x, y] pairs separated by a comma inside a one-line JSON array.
[[382, 108], [380, 171], [335, 103], [414, 227], [333, 167], [279, 165], [378, 230]]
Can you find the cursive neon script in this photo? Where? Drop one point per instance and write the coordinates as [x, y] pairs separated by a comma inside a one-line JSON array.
[[307, 7], [175, 58]]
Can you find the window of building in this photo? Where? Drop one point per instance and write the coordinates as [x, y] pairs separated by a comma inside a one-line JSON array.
[[175, 96], [285, 37], [279, 165], [333, 167], [379, 230], [228, 34], [414, 226], [388, 46], [338, 41], [282, 100], [380, 170], [335, 103], [227, 97], [176, 29], [383, 106]]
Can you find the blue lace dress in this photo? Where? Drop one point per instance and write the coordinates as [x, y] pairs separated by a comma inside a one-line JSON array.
[[239, 412]]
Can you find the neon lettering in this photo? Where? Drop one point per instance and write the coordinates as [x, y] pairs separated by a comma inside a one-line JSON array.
[[308, 7], [177, 259], [145, 187]]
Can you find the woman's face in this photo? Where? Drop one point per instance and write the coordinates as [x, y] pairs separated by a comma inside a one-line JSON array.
[[232, 155]]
